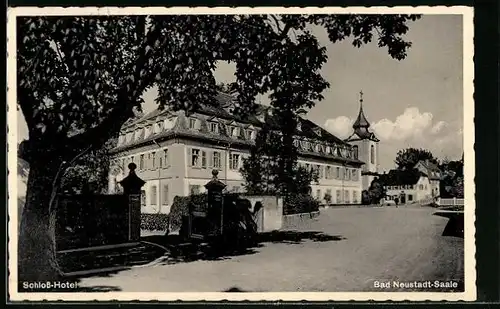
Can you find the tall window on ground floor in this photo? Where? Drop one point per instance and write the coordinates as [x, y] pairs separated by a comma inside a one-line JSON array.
[[216, 160], [339, 197], [355, 197], [165, 195], [164, 162], [372, 154], [346, 196], [234, 161], [143, 198], [154, 194], [195, 157], [410, 197]]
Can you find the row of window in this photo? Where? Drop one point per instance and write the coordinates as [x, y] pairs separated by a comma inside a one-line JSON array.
[[332, 172], [407, 187], [153, 190], [348, 197], [148, 161], [231, 130], [340, 151], [237, 131], [146, 131], [213, 159]]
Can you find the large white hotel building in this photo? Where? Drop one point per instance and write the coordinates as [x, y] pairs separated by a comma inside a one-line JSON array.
[[175, 154]]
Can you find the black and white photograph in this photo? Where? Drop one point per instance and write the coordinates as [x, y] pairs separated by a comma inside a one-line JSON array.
[[241, 153]]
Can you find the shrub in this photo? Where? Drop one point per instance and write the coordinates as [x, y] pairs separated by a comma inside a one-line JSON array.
[[300, 203], [154, 222]]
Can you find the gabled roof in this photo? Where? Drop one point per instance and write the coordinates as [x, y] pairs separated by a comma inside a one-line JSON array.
[[401, 177]]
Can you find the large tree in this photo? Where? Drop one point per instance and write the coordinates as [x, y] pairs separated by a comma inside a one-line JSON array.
[[80, 78], [409, 157]]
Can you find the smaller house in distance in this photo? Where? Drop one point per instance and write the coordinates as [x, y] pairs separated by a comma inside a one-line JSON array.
[[433, 173], [406, 186]]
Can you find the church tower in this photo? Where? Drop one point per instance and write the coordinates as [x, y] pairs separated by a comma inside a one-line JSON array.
[[367, 145]]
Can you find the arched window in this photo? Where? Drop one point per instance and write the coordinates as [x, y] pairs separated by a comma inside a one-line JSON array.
[[372, 154]]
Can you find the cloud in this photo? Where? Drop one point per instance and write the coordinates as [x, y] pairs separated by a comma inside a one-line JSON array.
[[340, 126], [413, 128], [438, 127], [412, 123]]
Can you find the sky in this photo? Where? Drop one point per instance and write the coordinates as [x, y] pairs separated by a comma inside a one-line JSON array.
[[416, 102]]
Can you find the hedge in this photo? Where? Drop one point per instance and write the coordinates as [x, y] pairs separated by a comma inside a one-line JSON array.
[[154, 222], [299, 203]]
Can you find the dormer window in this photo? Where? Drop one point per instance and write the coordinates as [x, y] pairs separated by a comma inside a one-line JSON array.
[[328, 149], [233, 131], [249, 134], [158, 127], [296, 143], [137, 134], [192, 123], [299, 126], [213, 127], [168, 123], [317, 131]]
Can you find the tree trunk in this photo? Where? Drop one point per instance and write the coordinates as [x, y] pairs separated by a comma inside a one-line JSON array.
[[37, 252]]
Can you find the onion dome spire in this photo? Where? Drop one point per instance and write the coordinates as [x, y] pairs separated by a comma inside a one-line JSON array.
[[361, 124]]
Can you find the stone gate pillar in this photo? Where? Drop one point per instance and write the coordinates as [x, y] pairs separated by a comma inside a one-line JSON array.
[[215, 202], [132, 185]]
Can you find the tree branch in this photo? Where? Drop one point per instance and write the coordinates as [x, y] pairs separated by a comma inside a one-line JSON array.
[[277, 23]]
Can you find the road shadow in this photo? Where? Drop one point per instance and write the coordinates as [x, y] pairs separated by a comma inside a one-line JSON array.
[[182, 251], [296, 237], [453, 228]]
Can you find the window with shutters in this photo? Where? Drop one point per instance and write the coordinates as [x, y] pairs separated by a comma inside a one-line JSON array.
[[165, 158], [321, 172], [346, 196], [216, 159], [154, 195], [234, 161], [195, 157]]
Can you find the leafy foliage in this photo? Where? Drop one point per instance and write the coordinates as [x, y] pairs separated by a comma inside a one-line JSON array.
[[375, 193], [89, 174], [452, 179], [300, 203], [408, 158]]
